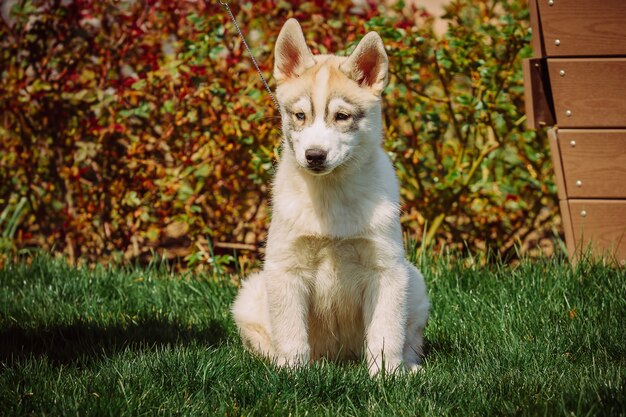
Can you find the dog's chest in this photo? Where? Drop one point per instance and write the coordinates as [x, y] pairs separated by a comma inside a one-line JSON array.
[[332, 214], [339, 271]]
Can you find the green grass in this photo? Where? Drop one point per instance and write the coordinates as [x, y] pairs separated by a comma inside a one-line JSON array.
[[541, 338]]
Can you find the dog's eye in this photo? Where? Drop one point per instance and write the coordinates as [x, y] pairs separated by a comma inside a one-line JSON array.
[[300, 116], [342, 116]]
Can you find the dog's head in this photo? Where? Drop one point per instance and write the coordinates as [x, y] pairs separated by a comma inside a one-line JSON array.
[[330, 105]]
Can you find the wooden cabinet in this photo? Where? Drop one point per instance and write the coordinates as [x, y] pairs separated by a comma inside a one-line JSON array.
[[576, 83]]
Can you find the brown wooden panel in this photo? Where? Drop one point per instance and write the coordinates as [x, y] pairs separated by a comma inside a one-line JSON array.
[[557, 163], [537, 93], [566, 220], [601, 226], [594, 162], [583, 27], [535, 26], [589, 92]]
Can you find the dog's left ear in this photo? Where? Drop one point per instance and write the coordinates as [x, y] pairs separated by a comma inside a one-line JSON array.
[[292, 55], [368, 64]]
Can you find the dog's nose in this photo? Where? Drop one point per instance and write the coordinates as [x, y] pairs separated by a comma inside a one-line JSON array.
[[315, 157]]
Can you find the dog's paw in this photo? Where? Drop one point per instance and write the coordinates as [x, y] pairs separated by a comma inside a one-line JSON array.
[[414, 368], [388, 368], [385, 366], [285, 362], [293, 360]]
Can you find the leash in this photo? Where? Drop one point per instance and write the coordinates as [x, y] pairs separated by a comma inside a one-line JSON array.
[[224, 3]]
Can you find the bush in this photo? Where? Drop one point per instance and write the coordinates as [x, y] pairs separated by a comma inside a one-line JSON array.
[[141, 128], [471, 173]]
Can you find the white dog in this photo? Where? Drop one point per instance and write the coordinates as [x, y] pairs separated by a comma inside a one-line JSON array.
[[335, 282]]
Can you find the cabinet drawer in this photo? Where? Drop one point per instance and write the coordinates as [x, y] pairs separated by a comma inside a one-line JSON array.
[[582, 27], [588, 92], [599, 225], [594, 162]]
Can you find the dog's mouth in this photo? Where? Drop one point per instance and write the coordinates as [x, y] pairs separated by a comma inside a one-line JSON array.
[[318, 170]]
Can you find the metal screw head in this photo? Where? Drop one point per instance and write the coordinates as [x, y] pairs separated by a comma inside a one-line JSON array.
[[568, 113], [557, 42], [579, 183], [583, 213], [562, 73], [572, 143]]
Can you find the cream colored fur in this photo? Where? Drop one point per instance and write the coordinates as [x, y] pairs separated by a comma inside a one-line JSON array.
[[335, 282]]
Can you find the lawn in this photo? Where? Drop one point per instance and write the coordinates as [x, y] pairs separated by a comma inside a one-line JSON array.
[[540, 338]]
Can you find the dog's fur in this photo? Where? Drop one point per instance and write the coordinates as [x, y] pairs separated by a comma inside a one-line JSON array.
[[335, 282]]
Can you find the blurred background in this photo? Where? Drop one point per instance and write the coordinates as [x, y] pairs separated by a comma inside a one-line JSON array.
[[139, 130]]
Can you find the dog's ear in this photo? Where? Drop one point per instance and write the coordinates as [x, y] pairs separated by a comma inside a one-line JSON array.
[[292, 56], [368, 64]]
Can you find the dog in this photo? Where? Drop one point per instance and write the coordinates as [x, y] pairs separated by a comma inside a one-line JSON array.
[[335, 283]]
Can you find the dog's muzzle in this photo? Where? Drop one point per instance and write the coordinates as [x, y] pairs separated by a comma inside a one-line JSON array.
[[316, 159]]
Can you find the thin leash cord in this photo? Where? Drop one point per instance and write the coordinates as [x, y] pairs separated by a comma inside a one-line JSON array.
[[267, 87]]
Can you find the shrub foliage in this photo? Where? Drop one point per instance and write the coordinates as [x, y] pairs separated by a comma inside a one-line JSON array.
[[130, 128]]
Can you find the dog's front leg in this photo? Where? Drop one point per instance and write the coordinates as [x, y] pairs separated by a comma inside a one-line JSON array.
[[288, 303], [385, 318]]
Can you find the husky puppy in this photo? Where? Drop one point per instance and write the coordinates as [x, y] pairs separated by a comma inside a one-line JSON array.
[[335, 282]]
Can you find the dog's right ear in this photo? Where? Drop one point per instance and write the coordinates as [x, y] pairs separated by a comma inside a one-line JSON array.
[[292, 56]]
